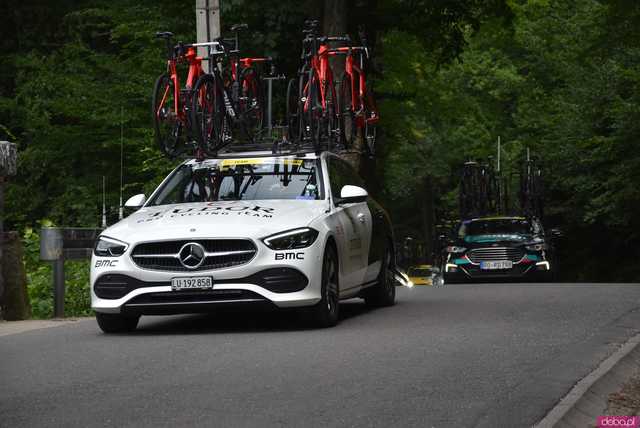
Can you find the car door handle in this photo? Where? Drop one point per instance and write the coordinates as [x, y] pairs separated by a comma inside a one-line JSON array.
[[361, 217]]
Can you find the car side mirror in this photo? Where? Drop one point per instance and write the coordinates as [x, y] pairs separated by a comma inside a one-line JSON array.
[[136, 201], [352, 194]]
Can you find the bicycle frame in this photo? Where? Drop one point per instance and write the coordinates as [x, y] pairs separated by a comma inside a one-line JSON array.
[[321, 70], [194, 72], [359, 85]]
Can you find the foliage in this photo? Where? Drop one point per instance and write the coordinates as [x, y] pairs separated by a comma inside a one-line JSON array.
[[39, 280], [560, 78]]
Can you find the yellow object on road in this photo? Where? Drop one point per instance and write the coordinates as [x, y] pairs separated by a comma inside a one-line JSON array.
[[420, 275]]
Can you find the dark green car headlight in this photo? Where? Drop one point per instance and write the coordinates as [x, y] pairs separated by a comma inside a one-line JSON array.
[[291, 239], [537, 246], [108, 247]]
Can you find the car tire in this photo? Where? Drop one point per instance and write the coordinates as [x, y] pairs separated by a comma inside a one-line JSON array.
[[326, 312], [384, 292], [116, 323]]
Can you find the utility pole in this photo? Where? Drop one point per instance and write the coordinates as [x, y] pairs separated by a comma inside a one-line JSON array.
[[207, 25]]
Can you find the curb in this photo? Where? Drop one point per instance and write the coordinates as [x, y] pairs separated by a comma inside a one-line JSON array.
[[588, 398], [9, 328]]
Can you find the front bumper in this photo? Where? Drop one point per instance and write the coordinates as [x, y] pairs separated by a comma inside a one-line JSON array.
[[267, 280], [519, 271]]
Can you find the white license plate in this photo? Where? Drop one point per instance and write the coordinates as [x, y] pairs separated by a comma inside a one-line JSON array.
[[501, 264], [195, 282]]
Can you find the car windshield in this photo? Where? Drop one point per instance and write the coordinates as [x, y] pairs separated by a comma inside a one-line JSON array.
[[242, 179], [417, 272], [495, 227]]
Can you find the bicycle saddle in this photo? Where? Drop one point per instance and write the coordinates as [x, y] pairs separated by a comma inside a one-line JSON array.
[[238, 27], [164, 34]]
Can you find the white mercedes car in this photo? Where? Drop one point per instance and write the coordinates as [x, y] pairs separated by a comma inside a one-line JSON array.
[[288, 231]]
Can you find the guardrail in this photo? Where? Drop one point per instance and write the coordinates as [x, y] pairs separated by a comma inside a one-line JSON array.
[[58, 244]]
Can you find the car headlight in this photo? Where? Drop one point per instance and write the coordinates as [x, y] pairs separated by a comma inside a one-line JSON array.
[[536, 247], [456, 249], [291, 239], [108, 247]]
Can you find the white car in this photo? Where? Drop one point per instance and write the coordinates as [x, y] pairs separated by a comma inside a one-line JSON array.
[[253, 228]]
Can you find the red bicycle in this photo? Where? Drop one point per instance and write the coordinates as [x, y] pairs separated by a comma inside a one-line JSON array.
[[226, 101], [170, 103], [358, 109], [312, 102]]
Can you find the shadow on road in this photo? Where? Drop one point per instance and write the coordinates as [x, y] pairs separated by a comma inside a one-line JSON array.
[[241, 321]]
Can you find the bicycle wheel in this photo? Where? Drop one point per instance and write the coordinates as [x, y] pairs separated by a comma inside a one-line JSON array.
[[370, 137], [464, 196], [251, 101], [208, 115], [293, 110], [311, 108], [347, 118], [330, 126], [370, 120], [166, 123]]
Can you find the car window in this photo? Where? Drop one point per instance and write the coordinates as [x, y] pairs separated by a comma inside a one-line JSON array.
[[242, 179], [341, 174], [495, 227]]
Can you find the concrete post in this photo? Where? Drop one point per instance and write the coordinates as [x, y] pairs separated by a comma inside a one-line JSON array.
[[207, 25]]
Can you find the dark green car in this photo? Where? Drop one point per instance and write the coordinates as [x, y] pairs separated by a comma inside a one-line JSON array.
[[498, 248]]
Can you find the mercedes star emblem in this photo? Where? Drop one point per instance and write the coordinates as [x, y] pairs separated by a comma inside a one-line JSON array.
[[191, 255]]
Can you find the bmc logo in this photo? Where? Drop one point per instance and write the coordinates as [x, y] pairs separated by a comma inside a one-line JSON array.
[[106, 263], [289, 256], [618, 421]]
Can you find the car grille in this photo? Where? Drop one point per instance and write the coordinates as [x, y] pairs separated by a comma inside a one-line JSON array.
[[495, 253], [220, 253]]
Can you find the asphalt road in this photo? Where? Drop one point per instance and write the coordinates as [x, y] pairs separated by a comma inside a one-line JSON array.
[[460, 355]]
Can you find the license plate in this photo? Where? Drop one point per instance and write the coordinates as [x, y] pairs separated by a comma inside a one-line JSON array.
[[195, 282], [501, 264]]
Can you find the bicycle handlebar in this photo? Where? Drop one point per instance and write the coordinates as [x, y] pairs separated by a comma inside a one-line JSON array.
[[164, 34], [337, 38]]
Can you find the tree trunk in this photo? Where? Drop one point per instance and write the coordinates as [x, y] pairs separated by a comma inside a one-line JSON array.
[[335, 17], [428, 219], [15, 305]]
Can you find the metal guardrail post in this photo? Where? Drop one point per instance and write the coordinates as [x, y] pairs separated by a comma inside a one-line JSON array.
[[51, 246], [58, 291], [58, 244]]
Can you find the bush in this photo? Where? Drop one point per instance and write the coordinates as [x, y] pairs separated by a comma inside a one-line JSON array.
[[77, 300]]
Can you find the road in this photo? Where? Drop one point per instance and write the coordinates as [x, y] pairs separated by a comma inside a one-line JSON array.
[[460, 355]]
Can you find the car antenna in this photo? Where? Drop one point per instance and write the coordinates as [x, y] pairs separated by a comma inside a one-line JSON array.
[[104, 205], [121, 207]]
